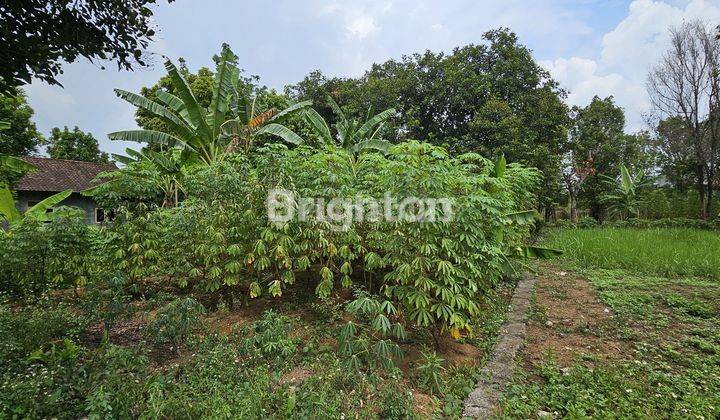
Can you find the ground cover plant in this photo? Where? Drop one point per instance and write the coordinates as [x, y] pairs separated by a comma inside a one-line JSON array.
[[674, 252], [614, 342]]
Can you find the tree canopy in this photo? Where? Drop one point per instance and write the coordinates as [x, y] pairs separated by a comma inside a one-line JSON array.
[[490, 98], [74, 145], [36, 36], [21, 137]]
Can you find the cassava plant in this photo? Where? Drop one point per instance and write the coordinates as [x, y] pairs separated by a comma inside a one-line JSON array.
[[368, 341]]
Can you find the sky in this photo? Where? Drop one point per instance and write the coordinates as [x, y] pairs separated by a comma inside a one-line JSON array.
[[592, 47]]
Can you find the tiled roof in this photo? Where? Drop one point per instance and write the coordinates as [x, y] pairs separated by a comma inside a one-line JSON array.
[[56, 175]]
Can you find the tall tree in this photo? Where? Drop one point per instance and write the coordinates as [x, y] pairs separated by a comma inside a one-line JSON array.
[[491, 98], [598, 146], [75, 145], [21, 137], [37, 36], [677, 158], [685, 84]]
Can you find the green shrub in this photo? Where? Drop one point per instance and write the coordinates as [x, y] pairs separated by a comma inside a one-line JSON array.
[[430, 369], [37, 256], [175, 323], [219, 239], [271, 336], [368, 342], [35, 327], [587, 222], [108, 300]]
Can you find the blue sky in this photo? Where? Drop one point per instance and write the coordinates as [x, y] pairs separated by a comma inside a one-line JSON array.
[[590, 46]]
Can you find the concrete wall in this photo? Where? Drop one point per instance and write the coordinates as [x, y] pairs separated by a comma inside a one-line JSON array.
[[75, 200]]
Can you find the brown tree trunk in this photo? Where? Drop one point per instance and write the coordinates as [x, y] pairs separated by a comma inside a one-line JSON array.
[[710, 190], [573, 207], [700, 173]]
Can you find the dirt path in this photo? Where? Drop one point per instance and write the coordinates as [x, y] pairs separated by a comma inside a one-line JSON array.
[[556, 313]]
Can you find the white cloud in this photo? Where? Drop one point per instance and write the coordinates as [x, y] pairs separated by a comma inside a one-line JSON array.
[[628, 52], [361, 26], [436, 27]]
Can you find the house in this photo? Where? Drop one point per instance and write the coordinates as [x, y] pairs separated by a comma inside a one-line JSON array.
[[55, 175]]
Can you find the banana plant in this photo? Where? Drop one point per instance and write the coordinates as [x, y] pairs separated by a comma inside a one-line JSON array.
[[170, 166], [623, 200], [191, 127], [166, 169], [12, 215], [352, 135], [249, 124]]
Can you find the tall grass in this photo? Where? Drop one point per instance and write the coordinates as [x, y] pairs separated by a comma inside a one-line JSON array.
[[665, 252]]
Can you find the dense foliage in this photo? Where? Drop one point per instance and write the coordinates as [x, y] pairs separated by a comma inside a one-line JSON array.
[[20, 137], [37, 36], [74, 145], [219, 238]]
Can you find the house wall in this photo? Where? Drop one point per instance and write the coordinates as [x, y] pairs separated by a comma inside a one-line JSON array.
[[75, 200]]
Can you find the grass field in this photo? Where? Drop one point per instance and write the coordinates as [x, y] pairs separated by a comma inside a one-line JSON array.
[[625, 326], [663, 252]]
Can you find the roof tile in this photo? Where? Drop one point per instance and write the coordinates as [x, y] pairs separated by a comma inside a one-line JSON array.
[[55, 175]]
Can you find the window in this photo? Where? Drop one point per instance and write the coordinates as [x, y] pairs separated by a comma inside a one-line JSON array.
[[102, 216], [99, 215]]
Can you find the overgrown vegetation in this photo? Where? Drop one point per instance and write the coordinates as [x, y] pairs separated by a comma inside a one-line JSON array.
[[666, 362], [673, 252], [191, 219], [192, 302]]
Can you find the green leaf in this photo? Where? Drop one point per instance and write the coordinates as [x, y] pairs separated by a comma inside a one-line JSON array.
[[280, 116], [255, 290], [178, 126], [522, 217], [319, 126], [627, 182], [15, 164], [195, 112], [335, 107], [144, 136], [175, 104], [281, 131], [381, 324], [7, 206], [500, 166], [365, 129], [39, 210], [372, 144], [226, 74]]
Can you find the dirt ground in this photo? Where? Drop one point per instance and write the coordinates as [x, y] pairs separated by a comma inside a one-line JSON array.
[[567, 320]]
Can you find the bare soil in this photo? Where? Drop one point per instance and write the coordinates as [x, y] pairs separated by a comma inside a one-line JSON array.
[[572, 318]]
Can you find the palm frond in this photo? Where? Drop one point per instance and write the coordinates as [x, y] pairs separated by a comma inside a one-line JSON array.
[[281, 131], [167, 116], [195, 112], [365, 129], [39, 210]]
